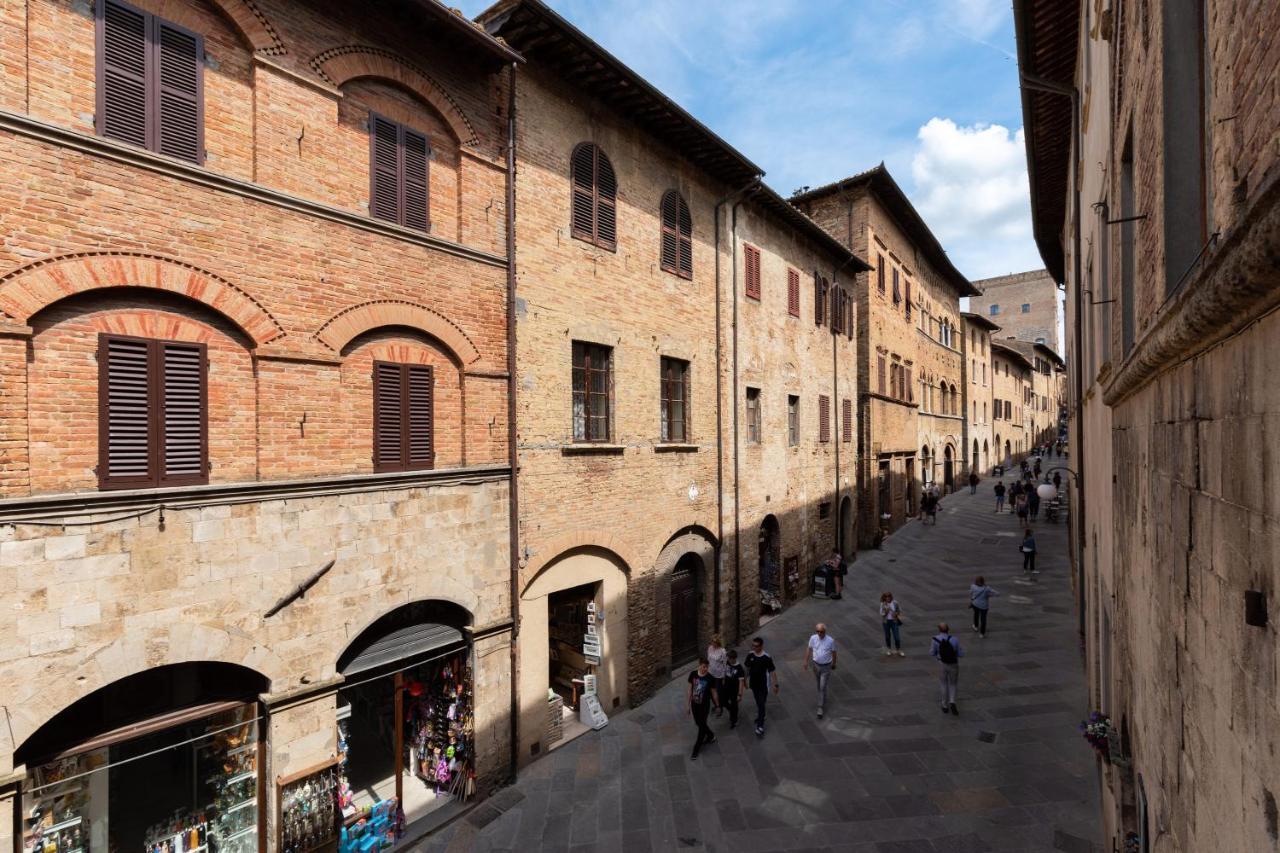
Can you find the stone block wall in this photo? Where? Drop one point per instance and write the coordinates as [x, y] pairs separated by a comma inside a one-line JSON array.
[[1035, 289]]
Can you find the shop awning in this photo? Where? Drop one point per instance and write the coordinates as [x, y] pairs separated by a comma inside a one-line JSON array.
[[403, 644]]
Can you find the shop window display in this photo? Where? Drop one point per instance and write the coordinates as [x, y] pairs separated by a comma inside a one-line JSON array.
[[188, 788]]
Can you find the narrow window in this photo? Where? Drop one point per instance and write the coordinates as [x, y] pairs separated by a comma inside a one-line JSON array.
[[592, 391], [897, 291], [753, 416], [793, 420], [150, 82], [880, 273], [751, 270], [793, 292], [824, 418], [820, 293], [994, 310], [1127, 254], [846, 420], [881, 369], [907, 388], [1026, 308], [1186, 131], [908, 299], [153, 419], [403, 409], [595, 191], [398, 173], [677, 236], [675, 399]]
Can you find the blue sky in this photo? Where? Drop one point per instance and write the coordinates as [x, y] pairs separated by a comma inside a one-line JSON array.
[[814, 90]]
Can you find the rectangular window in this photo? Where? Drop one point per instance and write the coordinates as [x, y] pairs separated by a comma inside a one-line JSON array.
[[820, 290], [753, 416], [1187, 165], [793, 292], [881, 369], [1026, 308], [793, 420], [1127, 253], [150, 82], [403, 414], [674, 380], [398, 167], [908, 390], [592, 391], [824, 418], [846, 420], [880, 273], [751, 271], [994, 310], [908, 299], [897, 291], [824, 509], [153, 420]]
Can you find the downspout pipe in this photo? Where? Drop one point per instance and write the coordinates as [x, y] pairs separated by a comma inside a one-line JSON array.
[[513, 510], [1039, 84], [720, 407]]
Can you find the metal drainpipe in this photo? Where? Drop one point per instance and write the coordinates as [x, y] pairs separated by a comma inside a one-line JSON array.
[[513, 518], [737, 520], [1041, 85], [720, 410]]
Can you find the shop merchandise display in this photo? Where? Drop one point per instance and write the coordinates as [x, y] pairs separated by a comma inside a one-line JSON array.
[[377, 827], [345, 796], [56, 819], [309, 811], [440, 727]]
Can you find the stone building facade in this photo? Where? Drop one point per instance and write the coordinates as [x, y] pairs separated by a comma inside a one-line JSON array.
[[910, 390], [629, 497], [1010, 385], [1025, 305], [211, 507], [976, 334], [1167, 239]]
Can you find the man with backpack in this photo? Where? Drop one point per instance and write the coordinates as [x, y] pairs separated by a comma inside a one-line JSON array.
[[946, 649]]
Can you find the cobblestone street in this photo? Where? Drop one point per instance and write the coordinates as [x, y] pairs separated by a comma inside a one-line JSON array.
[[884, 772]]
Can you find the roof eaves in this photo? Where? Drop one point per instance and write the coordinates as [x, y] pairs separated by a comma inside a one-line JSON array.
[[979, 320], [469, 30], [1011, 352], [768, 198]]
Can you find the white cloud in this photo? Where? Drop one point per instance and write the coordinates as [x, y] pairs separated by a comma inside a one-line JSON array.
[[971, 187]]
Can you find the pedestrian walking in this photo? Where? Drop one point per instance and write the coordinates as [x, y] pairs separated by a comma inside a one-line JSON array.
[[1020, 509], [1028, 548], [1057, 480], [980, 601], [1037, 467], [973, 482], [999, 490], [929, 507], [718, 663], [839, 568], [946, 649], [762, 676], [1033, 503], [701, 696], [891, 617], [732, 686], [821, 653]]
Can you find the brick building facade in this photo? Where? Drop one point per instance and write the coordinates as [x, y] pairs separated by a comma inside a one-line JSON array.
[[1158, 209], [977, 332], [910, 390], [1025, 305], [253, 389]]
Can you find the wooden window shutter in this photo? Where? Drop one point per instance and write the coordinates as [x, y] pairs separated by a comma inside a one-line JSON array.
[[846, 420], [880, 273], [124, 73], [819, 299], [911, 392], [880, 370], [419, 416], [849, 317], [670, 248], [388, 405], [908, 289], [686, 239], [403, 415], [824, 418], [384, 195], [751, 262], [179, 124], [793, 292], [414, 162], [595, 192], [606, 202], [183, 430], [837, 316]]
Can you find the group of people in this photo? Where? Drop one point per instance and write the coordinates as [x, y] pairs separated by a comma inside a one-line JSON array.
[[930, 498], [720, 682]]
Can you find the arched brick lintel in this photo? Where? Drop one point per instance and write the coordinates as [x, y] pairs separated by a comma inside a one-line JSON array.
[[340, 65], [574, 540], [341, 329], [244, 15], [29, 290]]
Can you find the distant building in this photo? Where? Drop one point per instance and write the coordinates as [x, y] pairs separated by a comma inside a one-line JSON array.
[[1024, 305]]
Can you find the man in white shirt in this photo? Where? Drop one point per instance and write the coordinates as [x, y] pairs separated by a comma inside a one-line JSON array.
[[821, 652]]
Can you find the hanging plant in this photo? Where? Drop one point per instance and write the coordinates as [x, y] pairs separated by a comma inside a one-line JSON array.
[[1098, 731]]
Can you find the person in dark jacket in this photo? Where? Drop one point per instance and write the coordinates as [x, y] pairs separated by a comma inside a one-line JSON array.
[[1028, 549], [946, 649], [973, 483], [999, 490], [1033, 503]]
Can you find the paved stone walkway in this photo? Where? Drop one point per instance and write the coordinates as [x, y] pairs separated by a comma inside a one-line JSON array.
[[885, 771]]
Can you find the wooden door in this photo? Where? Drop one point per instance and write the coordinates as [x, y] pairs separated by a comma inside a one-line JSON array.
[[684, 614]]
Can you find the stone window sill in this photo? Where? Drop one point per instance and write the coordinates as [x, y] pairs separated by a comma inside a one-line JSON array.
[[673, 447], [592, 449]]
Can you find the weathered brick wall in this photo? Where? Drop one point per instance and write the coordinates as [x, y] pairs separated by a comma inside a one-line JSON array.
[[1010, 432], [977, 380], [1035, 289]]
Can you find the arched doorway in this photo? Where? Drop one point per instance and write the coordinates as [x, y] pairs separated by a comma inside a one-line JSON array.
[[847, 541], [400, 668], [684, 608], [926, 466], [770, 565], [948, 469], [986, 458], [1008, 451], [975, 462], [166, 745]]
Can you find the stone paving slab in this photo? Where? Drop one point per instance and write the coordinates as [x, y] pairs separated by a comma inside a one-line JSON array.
[[885, 771]]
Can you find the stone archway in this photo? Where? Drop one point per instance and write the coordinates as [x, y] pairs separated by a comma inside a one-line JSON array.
[[684, 593], [345, 326]]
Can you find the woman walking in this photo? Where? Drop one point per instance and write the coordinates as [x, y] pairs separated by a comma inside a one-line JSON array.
[[891, 617], [718, 664], [1028, 549], [1020, 509], [980, 600]]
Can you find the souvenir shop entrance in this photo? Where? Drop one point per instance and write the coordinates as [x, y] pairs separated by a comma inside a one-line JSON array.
[[405, 717], [165, 761]]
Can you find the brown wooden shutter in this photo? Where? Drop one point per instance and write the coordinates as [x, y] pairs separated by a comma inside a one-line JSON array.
[[751, 263], [686, 239], [582, 168], [419, 416], [836, 316], [880, 273], [908, 288], [124, 72], [388, 408], [911, 391], [881, 369], [793, 292], [414, 163], [384, 195], [846, 420], [824, 418], [849, 317], [606, 202], [183, 438], [670, 246], [126, 446], [179, 125]]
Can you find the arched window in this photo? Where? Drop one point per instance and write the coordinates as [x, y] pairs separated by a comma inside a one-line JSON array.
[[595, 192], [955, 401], [677, 235]]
